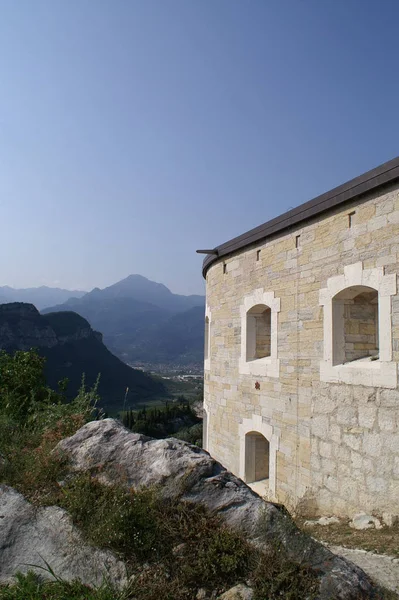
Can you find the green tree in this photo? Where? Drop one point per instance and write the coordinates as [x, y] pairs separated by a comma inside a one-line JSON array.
[[23, 385]]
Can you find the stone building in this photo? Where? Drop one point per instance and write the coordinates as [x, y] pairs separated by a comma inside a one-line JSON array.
[[302, 350]]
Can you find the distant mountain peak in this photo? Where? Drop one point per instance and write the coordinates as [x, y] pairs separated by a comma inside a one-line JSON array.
[[136, 279], [139, 288], [143, 319]]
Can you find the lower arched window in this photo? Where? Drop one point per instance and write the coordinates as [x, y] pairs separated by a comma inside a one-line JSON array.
[[257, 456]]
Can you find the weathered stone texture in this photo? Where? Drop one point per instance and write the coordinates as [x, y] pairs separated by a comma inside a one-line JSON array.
[[337, 443], [184, 472]]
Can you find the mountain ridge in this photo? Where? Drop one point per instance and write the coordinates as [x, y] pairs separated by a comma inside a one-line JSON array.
[[143, 289], [41, 296], [144, 322]]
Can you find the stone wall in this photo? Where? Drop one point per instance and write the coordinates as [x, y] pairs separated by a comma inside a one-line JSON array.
[[333, 429]]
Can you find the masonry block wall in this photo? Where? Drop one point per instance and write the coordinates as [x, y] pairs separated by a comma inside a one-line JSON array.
[[332, 423]]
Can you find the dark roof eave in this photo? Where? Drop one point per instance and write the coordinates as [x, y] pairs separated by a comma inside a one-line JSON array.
[[368, 182]]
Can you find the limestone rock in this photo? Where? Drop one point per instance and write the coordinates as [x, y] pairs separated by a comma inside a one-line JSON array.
[[186, 472], [323, 521], [31, 536], [238, 592], [364, 521], [178, 550]]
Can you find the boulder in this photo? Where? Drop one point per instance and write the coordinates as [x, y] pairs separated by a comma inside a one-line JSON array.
[[36, 536], [364, 521], [186, 472], [238, 592]]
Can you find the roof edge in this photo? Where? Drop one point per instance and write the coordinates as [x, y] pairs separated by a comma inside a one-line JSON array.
[[386, 173]]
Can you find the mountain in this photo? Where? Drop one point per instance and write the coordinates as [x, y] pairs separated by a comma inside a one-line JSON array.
[[144, 322], [72, 348], [177, 340], [142, 289], [41, 297]]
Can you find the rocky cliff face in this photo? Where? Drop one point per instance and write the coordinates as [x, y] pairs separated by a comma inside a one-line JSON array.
[[72, 348], [22, 327]]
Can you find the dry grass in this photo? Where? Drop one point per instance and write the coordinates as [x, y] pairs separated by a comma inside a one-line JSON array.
[[380, 541]]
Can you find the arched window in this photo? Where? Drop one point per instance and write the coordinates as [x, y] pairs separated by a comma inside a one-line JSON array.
[[257, 456], [357, 316], [355, 325], [258, 332], [259, 316], [206, 340]]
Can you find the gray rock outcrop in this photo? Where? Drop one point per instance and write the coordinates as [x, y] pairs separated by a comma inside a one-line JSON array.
[[238, 592], [22, 327], [364, 521], [34, 536], [186, 472]]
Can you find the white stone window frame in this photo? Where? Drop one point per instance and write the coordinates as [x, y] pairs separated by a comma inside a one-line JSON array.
[[268, 366], [257, 425], [376, 373], [207, 361]]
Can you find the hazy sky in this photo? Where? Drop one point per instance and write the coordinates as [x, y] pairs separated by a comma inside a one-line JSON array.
[[133, 132]]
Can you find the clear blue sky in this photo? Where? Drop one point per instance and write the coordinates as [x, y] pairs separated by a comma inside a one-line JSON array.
[[133, 132]]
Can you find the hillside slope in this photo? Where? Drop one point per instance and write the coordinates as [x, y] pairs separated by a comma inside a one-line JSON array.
[[71, 348]]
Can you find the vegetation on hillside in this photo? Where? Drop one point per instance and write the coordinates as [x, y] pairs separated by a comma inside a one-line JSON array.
[[173, 548], [71, 348], [33, 419], [177, 420]]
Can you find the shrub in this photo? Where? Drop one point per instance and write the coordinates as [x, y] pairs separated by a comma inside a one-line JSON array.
[[32, 587], [184, 546], [22, 385], [162, 421], [125, 521], [192, 435], [33, 419]]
